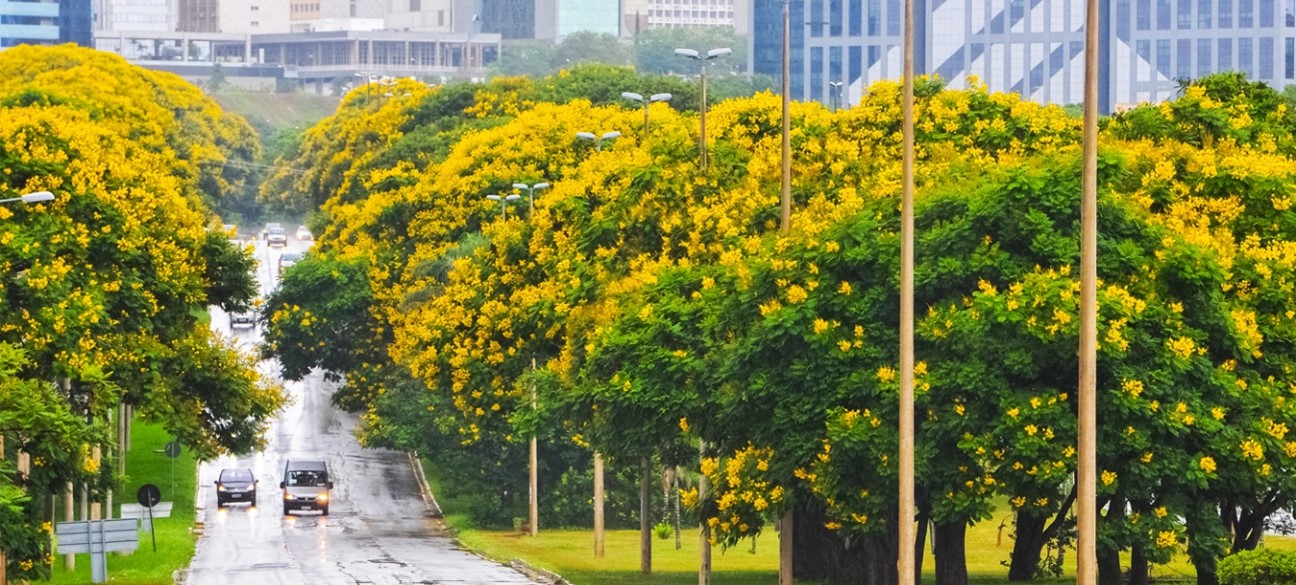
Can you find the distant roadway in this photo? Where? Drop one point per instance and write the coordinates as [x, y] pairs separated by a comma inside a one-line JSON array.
[[377, 531]]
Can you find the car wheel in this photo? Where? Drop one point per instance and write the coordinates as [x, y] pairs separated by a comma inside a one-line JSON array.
[[285, 509], [254, 499], [324, 510], [219, 502]]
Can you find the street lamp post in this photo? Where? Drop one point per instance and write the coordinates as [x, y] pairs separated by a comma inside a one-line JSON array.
[[531, 189], [36, 197], [503, 201], [657, 97], [598, 456], [712, 54]]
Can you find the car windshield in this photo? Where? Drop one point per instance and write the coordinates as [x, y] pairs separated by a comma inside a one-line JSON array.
[[307, 478], [276, 230], [236, 476]]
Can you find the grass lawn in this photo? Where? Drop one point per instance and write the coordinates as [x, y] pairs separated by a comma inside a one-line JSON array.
[[145, 463], [272, 113], [570, 554]]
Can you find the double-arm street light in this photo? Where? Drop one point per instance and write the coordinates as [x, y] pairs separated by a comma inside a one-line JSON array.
[[657, 97], [598, 140], [530, 189], [36, 197], [712, 54], [835, 94], [503, 201]]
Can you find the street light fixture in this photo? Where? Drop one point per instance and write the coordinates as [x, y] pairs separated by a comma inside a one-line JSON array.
[[503, 201], [657, 97], [531, 189], [712, 54], [835, 93], [37, 197], [598, 140]]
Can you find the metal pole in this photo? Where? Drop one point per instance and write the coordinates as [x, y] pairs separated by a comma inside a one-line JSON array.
[[534, 503], [703, 120], [646, 102], [906, 562], [645, 514], [598, 504], [1087, 461], [704, 565], [785, 215], [4, 580]]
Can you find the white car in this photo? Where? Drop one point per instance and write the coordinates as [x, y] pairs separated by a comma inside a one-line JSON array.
[[303, 233], [276, 236]]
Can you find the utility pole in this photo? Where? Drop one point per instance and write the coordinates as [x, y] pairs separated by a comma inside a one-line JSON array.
[[906, 564], [1086, 464], [785, 215]]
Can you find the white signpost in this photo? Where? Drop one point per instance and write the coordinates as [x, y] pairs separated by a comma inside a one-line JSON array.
[[97, 537]]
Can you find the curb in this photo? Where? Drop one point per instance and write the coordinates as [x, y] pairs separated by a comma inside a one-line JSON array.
[[429, 500], [536, 573]]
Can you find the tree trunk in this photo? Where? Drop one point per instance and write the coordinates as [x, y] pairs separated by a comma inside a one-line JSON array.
[[1248, 529], [787, 534], [820, 555], [1028, 544], [950, 550], [704, 545], [1109, 568], [1138, 572], [598, 504], [920, 539]]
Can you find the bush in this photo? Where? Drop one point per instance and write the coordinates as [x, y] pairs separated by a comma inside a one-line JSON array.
[[1264, 566], [663, 530]]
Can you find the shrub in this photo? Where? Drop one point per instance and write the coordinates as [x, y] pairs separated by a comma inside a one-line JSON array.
[[1264, 566], [663, 530]]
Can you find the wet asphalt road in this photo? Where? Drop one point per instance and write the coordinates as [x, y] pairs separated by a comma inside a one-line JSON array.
[[377, 530]]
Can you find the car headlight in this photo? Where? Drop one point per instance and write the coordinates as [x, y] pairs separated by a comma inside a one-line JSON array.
[[321, 498], [287, 496], [220, 488]]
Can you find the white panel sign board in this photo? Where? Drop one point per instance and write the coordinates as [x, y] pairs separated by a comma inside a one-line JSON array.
[[97, 537], [161, 510]]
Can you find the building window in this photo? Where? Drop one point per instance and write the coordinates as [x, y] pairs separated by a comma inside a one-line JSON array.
[[1163, 57], [1143, 14], [1225, 61], [1183, 68], [1204, 14], [1245, 19], [1266, 13], [1163, 14], [856, 17], [1290, 68], [856, 64], [1266, 58], [1244, 58], [1122, 18], [1184, 19], [416, 5], [1203, 57], [1226, 13]]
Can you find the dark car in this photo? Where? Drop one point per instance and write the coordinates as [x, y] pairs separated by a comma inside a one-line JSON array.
[[236, 485]]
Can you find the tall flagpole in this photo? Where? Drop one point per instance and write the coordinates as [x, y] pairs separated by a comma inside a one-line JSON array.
[[1087, 461], [906, 562]]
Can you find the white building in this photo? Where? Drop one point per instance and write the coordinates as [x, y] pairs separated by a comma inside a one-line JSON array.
[[136, 15], [255, 16]]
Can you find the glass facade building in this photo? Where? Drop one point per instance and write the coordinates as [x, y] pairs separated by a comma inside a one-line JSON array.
[[45, 22], [597, 16], [1031, 47]]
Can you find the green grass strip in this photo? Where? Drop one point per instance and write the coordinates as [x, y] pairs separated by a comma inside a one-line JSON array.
[[146, 463]]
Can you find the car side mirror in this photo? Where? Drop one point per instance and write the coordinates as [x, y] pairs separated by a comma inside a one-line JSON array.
[[281, 485], [256, 482], [329, 485], [216, 483]]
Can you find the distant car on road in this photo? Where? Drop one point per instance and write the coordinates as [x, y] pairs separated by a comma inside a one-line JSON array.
[[288, 259], [242, 319], [236, 485], [275, 235], [304, 233]]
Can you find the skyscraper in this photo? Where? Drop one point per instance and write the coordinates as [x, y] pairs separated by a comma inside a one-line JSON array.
[[1032, 47]]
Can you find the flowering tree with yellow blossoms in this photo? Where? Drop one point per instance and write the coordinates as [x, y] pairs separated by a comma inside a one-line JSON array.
[[103, 285]]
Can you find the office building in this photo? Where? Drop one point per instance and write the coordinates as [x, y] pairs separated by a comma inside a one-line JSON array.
[[45, 22], [1032, 47]]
